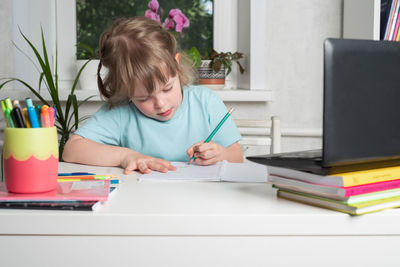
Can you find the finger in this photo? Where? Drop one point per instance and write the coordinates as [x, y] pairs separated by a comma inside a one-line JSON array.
[[159, 166], [130, 168], [171, 167], [127, 171], [143, 168], [205, 155], [204, 162]]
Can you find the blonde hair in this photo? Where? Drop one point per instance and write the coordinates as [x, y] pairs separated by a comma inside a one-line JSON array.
[[138, 50]]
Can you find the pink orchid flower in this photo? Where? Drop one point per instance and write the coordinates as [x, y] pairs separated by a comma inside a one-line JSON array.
[[176, 18], [152, 15], [180, 19], [168, 24], [153, 5]]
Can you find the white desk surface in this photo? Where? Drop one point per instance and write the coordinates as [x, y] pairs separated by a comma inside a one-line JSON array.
[[196, 224], [194, 208]]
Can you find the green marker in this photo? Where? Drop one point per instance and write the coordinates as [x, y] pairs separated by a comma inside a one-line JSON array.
[[3, 107], [38, 109], [217, 128], [7, 112]]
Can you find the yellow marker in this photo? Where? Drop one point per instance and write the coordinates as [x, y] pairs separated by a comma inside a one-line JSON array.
[[26, 118]]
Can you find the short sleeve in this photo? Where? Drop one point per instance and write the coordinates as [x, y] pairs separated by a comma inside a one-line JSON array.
[[228, 133], [103, 127]]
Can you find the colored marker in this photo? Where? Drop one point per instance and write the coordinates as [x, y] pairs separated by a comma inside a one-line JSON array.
[[51, 116], [3, 107], [112, 181], [9, 119], [9, 109], [26, 117], [33, 119], [17, 115], [216, 129], [55, 113], [38, 109], [44, 116], [8, 103], [75, 173]]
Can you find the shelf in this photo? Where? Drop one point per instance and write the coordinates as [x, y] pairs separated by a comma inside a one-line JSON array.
[[234, 95], [245, 95]]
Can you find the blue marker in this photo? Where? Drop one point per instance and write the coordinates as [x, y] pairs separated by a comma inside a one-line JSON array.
[[75, 174], [32, 114]]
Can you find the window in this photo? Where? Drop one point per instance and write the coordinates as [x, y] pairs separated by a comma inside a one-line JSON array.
[[94, 16], [60, 22]]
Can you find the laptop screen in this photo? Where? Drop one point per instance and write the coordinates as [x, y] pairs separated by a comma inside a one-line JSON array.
[[361, 119]]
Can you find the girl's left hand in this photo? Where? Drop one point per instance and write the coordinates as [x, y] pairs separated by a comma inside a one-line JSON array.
[[205, 153]]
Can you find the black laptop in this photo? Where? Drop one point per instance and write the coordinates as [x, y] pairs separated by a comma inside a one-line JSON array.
[[361, 114]]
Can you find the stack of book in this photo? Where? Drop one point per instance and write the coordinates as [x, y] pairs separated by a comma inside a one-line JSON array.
[[73, 192], [390, 20], [355, 193]]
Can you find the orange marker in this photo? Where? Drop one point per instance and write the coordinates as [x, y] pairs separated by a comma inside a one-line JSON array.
[[44, 116]]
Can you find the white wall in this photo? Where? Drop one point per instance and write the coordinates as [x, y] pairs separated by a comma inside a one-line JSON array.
[[294, 35], [6, 55]]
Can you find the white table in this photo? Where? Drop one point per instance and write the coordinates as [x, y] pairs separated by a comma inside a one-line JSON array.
[[196, 224]]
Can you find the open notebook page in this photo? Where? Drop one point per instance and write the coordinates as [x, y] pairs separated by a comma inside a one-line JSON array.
[[221, 171]]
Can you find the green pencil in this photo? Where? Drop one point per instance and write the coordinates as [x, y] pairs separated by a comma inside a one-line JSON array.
[[217, 128]]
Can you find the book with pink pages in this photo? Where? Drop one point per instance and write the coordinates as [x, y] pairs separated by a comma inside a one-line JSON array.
[[379, 189], [75, 190]]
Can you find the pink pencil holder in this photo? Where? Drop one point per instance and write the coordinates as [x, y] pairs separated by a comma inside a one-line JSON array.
[[30, 158]]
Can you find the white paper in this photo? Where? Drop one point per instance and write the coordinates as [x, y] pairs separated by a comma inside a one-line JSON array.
[[222, 171], [185, 171]]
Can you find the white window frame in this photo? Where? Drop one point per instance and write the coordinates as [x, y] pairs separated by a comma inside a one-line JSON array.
[[61, 32]]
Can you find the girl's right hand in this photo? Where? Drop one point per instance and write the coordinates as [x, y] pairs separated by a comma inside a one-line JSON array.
[[145, 164]]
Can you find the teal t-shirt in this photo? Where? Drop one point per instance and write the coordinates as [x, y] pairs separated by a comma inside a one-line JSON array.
[[125, 126]]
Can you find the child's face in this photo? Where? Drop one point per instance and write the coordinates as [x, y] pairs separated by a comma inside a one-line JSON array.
[[163, 103]]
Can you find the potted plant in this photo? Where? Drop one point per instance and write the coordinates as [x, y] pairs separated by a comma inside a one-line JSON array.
[[67, 116], [214, 66]]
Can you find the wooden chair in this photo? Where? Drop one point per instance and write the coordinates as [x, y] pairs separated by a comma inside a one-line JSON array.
[[264, 133]]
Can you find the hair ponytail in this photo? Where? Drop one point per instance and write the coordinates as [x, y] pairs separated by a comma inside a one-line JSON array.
[[100, 84]]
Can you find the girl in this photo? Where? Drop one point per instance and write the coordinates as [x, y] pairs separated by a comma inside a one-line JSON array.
[[150, 119]]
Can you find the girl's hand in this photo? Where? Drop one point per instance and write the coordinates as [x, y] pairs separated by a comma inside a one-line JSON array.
[[206, 153], [145, 164]]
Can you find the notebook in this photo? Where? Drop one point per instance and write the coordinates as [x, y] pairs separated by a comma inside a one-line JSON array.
[[76, 190], [361, 128], [221, 171]]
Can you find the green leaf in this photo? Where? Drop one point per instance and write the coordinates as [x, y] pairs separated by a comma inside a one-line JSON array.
[[28, 86], [89, 50], [86, 99], [195, 56], [78, 75], [40, 81], [75, 104], [67, 109]]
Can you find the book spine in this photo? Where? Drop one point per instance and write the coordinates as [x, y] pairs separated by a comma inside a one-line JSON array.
[[390, 20], [393, 28], [370, 188], [370, 176], [396, 30], [398, 36]]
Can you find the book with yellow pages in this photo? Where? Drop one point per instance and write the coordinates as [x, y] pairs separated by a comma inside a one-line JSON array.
[[353, 209], [377, 190], [340, 179]]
